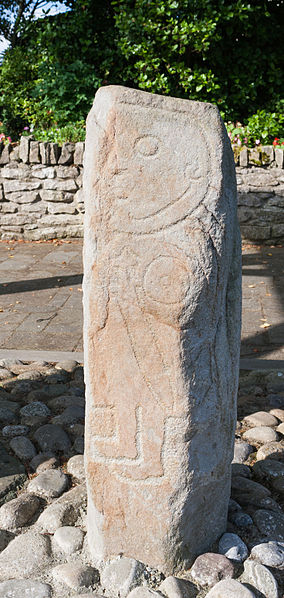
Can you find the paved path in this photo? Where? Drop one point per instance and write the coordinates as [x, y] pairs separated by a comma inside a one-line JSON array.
[[41, 299]]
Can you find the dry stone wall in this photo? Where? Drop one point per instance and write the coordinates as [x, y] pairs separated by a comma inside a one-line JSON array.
[[40, 190], [41, 195]]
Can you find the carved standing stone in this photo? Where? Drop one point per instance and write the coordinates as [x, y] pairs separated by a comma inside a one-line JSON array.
[[162, 326]]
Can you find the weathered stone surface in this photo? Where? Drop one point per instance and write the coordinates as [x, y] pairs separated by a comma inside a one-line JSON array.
[[233, 547], [120, 576], [67, 153], [261, 435], [270, 524], [43, 461], [174, 587], [79, 153], [261, 418], [24, 149], [12, 431], [65, 510], [268, 469], [242, 450], [34, 156], [260, 578], [270, 554], [28, 588], [271, 450], [230, 588], [144, 592], [75, 467], [75, 575], [69, 539], [25, 556], [52, 438], [19, 511], [23, 447], [153, 313], [209, 568], [49, 484], [35, 408]]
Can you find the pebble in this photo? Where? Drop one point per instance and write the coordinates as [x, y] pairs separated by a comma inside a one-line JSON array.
[[60, 403], [261, 435], [26, 555], [270, 554], [4, 374], [19, 511], [233, 547], [260, 578], [70, 415], [24, 588], [230, 588], [121, 575], [241, 519], [66, 510], [9, 363], [268, 469], [240, 469], [30, 375], [49, 484], [280, 428], [52, 439], [34, 409], [69, 539], [143, 592], [76, 430], [242, 450], [23, 448], [279, 413], [75, 467], [174, 587], [270, 524], [75, 576], [69, 365], [209, 568], [12, 431], [278, 485], [79, 445], [261, 418], [275, 400], [240, 483], [11, 405], [7, 416], [271, 450], [43, 461]]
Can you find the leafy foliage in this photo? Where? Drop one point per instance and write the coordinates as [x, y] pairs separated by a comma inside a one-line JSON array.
[[222, 51]]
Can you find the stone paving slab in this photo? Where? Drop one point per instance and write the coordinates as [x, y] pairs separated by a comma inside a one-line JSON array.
[[41, 299]]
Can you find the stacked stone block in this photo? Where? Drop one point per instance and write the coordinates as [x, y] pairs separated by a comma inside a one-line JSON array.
[[41, 191]]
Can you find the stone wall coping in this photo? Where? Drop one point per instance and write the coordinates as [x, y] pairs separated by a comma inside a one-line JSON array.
[[30, 151]]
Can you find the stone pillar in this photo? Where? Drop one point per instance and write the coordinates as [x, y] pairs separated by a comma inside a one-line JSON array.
[[162, 326]]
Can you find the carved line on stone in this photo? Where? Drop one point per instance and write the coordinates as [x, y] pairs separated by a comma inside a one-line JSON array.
[[137, 359], [98, 458]]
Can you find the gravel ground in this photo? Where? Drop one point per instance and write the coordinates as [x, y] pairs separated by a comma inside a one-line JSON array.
[[43, 547]]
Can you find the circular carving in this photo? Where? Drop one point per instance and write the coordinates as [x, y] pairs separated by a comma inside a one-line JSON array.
[[166, 280], [147, 146]]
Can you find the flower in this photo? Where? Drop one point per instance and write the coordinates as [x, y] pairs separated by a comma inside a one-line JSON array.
[[257, 141], [26, 128], [9, 139]]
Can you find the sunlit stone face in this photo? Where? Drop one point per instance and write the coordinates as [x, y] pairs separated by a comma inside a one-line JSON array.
[[168, 176]]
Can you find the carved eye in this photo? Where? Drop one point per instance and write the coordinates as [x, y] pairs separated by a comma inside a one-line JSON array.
[[147, 146]]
